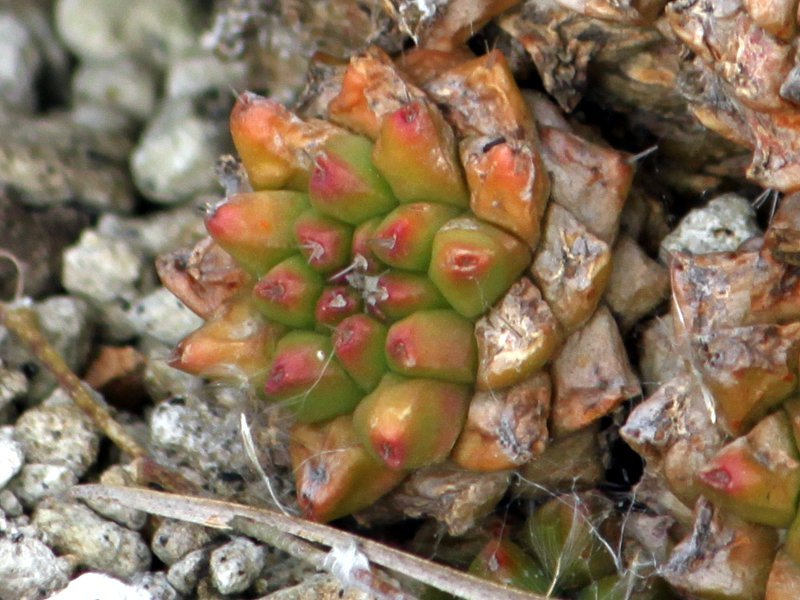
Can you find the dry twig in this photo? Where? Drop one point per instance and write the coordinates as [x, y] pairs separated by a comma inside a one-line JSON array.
[[22, 322], [296, 536]]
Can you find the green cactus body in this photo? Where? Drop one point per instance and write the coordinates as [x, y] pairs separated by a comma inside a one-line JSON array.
[[374, 249]]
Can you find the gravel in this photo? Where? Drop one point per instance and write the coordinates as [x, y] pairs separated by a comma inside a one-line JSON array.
[[174, 157], [719, 226], [99, 586], [12, 458], [58, 433], [37, 481], [173, 540], [10, 504], [113, 118], [49, 161], [195, 432], [91, 28], [155, 234], [184, 574], [234, 566], [159, 30], [67, 323], [13, 386], [162, 316], [155, 585], [20, 62], [94, 542], [120, 84], [102, 269], [199, 72], [127, 517], [162, 381], [28, 568]]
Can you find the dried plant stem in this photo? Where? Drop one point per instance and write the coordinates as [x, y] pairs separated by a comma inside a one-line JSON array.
[[375, 582], [293, 534], [23, 323]]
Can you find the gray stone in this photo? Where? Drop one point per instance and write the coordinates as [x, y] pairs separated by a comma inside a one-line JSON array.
[[155, 585], [199, 72], [7, 526], [184, 574], [13, 385], [158, 30], [119, 513], [207, 591], [162, 316], [101, 117], [115, 327], [38, 19], [92, 28], [720, 226], [67, 323], [120, 84], [49, 160], [21, 526], [234, 566], [96, 543], [99, 586], [102, 269], [175, 156], [58, 433], [175, 539], [10, 504], [57, 131], [195, 432], [12, 458], [319, 586], [156, 234], [28, 568], [162, 381], [37, 481], [20, 61]]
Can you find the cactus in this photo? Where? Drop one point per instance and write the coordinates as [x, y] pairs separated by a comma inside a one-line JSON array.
[[518, 245], [504, 561], [402, 259]]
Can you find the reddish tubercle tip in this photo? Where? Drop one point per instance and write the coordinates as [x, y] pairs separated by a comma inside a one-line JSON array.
[[332, 178], [393, 452]]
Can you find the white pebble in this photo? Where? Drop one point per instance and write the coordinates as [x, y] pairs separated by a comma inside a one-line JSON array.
[[28, 568], [175, 156], [198, 72], [37, 481], [98, 586], [19, 64], [121, 84], [12, 458], [58, 434], [92, 28], [720, 226], [94, 542], [101, 269], [158, 30], [236, 565], [161, 315]]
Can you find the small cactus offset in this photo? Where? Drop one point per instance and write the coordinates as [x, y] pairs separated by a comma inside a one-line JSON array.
[[413, 290]]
